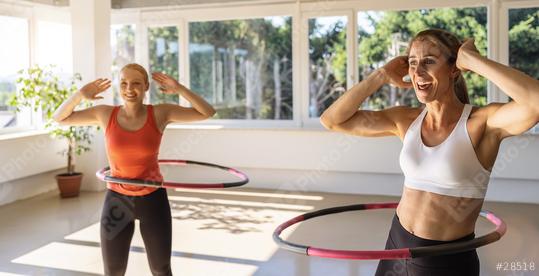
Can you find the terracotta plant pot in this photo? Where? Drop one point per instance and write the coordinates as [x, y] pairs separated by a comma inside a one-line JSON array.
[[69, 184]]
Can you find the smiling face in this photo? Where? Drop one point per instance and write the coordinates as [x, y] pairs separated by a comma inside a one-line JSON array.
[[133, 85], [431, 72]]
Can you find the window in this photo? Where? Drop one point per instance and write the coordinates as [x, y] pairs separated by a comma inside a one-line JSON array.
[[523, 43], [122, 39], [524, 40], [327, 62], [54, 47], [14, 54], [164, 57], [384, 35], [243, 67]]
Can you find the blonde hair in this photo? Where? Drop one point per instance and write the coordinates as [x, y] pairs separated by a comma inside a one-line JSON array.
[[449, 44], [137, 67]]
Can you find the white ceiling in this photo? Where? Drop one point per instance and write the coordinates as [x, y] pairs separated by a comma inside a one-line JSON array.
[[122, 4]]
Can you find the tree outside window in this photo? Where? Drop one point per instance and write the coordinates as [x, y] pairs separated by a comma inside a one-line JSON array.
[[122, 40], [243, 67], [384, 35]]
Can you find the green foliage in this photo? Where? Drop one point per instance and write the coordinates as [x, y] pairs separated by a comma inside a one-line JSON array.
[[42, 90], [400, 26], [465, 23], [5, 96], [163, 53], [524, 40], [339, 62], [328, 63], [217, 46], [262, 42], [122, 54]]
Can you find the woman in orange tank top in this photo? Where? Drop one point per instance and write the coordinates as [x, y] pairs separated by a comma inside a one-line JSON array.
[[133, 135]]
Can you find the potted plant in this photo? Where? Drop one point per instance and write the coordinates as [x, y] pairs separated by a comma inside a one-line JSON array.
[[42, 90]]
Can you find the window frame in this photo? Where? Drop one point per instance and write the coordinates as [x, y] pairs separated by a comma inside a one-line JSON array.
[[497, 14], [146, 48], [493, 93], [314, 122], [503, 41], [137, 48], [247, 13], [23, 12], [181, 18], [32, 13]]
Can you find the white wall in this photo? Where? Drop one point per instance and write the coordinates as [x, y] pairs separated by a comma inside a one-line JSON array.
[[26, 163], [29, 162], [28, 155], [321, 149], [276, 159], [318, 160], [30, 186], [90, 21]]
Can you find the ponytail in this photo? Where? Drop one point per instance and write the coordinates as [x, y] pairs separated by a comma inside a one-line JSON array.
[[461, 89]]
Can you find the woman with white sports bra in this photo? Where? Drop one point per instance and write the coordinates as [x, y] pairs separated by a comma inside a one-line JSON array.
[[449, 146]]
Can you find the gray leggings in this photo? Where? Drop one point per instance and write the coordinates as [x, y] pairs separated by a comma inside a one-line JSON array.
[[117, 227], [462, 264]]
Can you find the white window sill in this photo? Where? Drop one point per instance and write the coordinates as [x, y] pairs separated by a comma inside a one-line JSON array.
[[248, 125], [21, 134]]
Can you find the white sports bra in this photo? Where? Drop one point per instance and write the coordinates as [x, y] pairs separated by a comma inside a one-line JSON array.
[[450, 168]]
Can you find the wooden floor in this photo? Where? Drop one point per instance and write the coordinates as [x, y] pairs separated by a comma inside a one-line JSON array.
[[228, 232]]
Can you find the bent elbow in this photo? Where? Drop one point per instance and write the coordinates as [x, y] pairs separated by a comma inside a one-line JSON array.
[[62, 122], [211, 113], [57, 119], [326, 123], [208, 115]]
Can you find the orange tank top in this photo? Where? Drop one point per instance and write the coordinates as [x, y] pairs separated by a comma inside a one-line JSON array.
[[133, 154]]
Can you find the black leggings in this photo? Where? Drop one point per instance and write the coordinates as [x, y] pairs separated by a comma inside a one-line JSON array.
[[117, 227], [462, 264]]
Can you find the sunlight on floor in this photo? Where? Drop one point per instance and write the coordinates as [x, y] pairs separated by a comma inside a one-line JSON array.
[[65, 256], [88, 259], [255, 194], [241, 203], [210, 237], [217, 232]]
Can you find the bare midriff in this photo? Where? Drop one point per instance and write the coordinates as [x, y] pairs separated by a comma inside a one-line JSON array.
[[437, 217]]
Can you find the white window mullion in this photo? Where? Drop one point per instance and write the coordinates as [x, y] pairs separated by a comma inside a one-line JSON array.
[[351, 49], [183, 63], [303, 100], [27, 116], [143, 51], [140, 55], [299, 105], [497, 32]]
